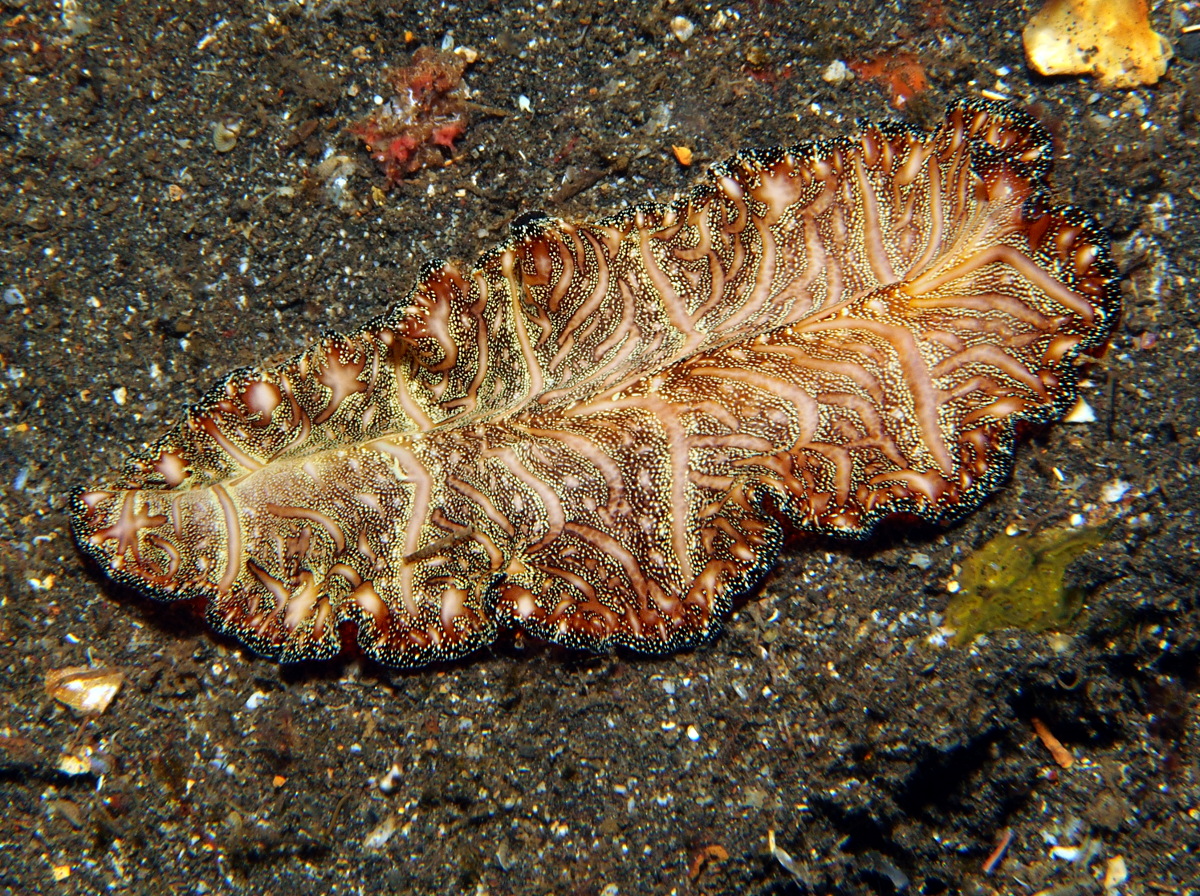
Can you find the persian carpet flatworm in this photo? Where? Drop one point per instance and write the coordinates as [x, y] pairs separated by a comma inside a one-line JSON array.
[[602, 432]]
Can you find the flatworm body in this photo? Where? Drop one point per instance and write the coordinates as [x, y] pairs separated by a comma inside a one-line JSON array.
[[602, 432]]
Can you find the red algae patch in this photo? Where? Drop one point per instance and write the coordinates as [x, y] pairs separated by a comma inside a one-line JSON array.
[[601, 433], [425, 116]]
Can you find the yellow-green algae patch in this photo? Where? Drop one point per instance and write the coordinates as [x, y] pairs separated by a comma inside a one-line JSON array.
[[1018, 582]]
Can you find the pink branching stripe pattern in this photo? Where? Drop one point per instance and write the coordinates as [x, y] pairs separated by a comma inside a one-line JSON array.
[[602, 433]]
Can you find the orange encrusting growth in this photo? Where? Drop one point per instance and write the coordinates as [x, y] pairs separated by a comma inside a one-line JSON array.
[[601, 433], [902, 74]]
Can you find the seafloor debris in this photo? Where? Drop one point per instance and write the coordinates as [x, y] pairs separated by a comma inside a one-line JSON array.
[[602, 433], [1053, 745], [784, 858], [86, 689], [1111, 39], [84, 759], [701, 857], [997, 855], [1018, 582], [426, 114]]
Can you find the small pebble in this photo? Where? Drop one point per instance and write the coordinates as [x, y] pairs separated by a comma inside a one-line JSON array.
[[683, 28], [1187, 46], [836, 72], [391, 779], [1114, 491]]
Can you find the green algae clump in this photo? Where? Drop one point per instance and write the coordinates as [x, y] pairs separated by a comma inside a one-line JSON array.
[[1018, 582]]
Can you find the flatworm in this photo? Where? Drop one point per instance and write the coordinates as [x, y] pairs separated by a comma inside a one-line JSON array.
[[602, 433]]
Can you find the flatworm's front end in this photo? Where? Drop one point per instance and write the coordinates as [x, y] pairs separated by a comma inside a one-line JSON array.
[[601, 433]]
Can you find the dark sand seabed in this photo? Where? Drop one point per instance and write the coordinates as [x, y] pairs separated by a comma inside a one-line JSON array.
[[139, 264]]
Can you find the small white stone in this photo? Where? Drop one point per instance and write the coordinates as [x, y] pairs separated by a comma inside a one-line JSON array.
[[523, 103], [391, 779], [1115, 874], [683, 28], [119, 395], [1114, 491], [836, 72]]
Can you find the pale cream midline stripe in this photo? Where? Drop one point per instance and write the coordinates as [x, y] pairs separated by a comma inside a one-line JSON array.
[[508, 262], [233, 533], [916, 375], [877, 255], [415, 473]]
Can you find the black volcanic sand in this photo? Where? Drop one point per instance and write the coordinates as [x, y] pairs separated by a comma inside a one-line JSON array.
[[139, 264]]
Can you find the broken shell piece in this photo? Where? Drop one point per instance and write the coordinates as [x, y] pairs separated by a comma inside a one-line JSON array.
[[225, 136], [1081, 413], [83, 688], [1111, 39]]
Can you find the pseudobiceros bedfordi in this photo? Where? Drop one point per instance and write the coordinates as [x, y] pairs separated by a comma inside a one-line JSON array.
[[602, 432]]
